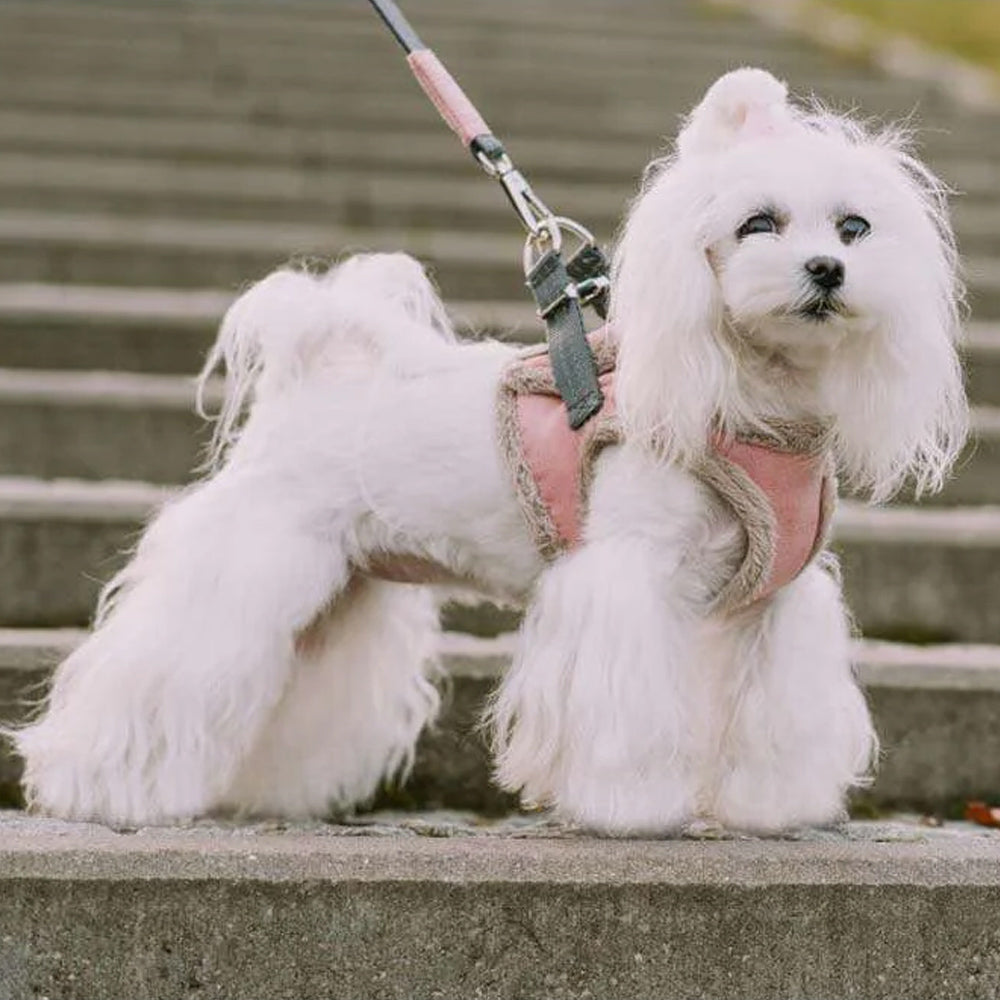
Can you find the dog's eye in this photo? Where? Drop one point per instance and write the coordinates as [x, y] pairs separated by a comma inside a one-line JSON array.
[[763, 222], [852, 227]]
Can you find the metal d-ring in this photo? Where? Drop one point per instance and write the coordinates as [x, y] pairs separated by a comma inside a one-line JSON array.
[[549, 236]]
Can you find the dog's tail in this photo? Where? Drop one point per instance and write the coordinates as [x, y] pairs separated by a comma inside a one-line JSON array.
[[370, 310]]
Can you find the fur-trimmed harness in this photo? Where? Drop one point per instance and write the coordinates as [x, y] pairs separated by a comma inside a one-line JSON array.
[[780, 486]]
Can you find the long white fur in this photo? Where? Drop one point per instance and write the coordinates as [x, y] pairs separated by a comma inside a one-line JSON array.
[[244, 661]]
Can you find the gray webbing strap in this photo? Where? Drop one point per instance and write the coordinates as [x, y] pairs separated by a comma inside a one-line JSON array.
[[560, 289], [573, 365]]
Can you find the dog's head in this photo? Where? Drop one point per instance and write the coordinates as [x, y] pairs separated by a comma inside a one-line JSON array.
[[790, 263]]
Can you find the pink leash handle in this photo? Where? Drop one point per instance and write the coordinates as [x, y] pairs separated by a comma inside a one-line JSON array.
[[468, 124], [447, 96], [435, 81], [560, 289]]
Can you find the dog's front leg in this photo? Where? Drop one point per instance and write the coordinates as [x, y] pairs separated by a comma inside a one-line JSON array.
[[797, 732], [593, 718]]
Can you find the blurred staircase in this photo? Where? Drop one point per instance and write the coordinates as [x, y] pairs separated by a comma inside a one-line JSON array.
[[157, 157]]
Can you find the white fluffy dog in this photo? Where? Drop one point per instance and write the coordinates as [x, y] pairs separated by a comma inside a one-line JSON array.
[[783, 267]]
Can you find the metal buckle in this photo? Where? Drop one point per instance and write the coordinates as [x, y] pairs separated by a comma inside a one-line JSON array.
[[585, 291], [569, 292], [550, 237], [592, 288]]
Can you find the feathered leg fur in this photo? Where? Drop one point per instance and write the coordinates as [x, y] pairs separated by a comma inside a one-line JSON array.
[[795, 733], [151, 717], [237, 661], [359, 694]]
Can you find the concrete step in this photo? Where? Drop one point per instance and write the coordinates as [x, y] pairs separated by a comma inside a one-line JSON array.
[[128, 329], [120, 425], [95, 249], [983, 276], [85, 185], [168, 331], [622, 94], [199, 253], [911, 574], [99, 425], [922, 574], [635, 47], [631, 95], [479, 53], [163, 331], [313, 25], [394, 105], [976, 222], [367, 52], [450, 907], [425, 146], [935, 710], [70, 184], [970, 175], [60, 540], [981, 350]]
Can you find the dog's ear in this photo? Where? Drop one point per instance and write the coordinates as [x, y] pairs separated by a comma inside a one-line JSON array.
[[676, 375], [898, 392], [674, 371], [745, 104]]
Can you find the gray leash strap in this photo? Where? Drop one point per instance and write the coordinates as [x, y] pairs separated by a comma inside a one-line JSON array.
[[560, 289], [573, 365]]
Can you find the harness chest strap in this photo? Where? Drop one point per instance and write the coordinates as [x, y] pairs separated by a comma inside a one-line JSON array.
[[782, 491]]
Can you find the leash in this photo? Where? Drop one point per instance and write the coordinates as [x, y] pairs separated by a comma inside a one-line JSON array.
[[560, 288]]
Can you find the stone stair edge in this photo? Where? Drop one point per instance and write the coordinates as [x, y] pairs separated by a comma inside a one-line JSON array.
[[428, 145], [44, 90], [106, 303], [292, 60], [235, 238], [241, 236], [861, 851], [854, 520], [254, 15], [110, 303], [57, 387], [954, 666], [472, 909], [86, 173], [80, 500]]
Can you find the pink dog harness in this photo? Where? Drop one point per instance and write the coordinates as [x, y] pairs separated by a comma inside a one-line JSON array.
[[780, 487]]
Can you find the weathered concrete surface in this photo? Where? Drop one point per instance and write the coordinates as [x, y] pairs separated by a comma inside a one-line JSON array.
[[100, 425], [194, 253], [95, 249], [452, 767], [911, 574], [60, 541], [162, 331], [872, 912], [981, 350], [935, 708], [936, 711], [937, 589], [119, 425]]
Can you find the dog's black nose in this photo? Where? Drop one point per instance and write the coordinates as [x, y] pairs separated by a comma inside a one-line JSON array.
[[827, 272]]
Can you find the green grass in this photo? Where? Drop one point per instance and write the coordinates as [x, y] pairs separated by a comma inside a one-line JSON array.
[[968, 28]]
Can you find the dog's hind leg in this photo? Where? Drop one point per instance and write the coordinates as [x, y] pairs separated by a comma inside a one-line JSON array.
[[360, 693], [151, 717]]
